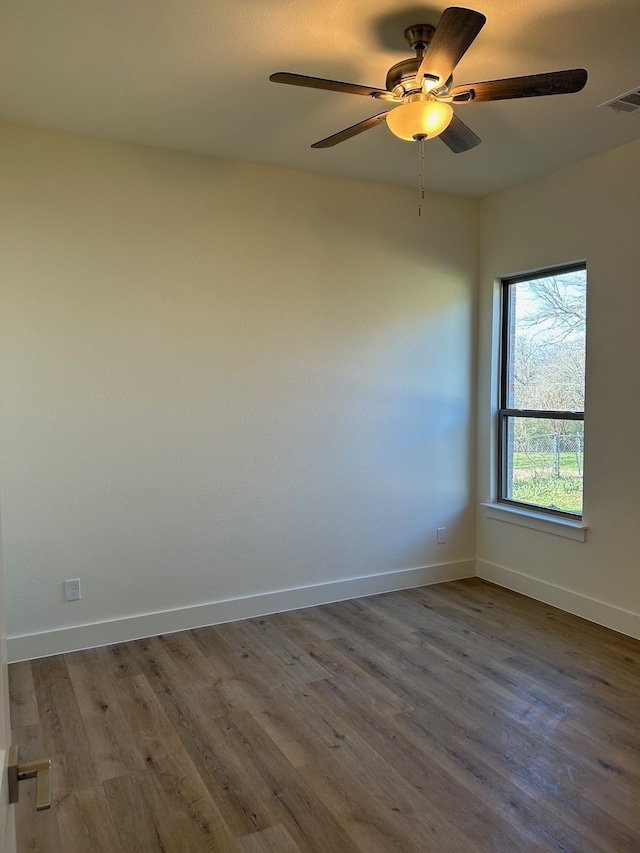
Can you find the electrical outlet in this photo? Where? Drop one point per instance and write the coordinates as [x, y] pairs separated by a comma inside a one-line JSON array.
[[72, 590], [441, 535]]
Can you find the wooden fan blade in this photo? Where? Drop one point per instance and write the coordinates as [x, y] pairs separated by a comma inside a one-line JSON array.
[[321, 83], [532, 86], [348, 132], [453, 36], [458, 137]]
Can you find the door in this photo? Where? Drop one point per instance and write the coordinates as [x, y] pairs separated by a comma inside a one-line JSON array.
[[7, 817]]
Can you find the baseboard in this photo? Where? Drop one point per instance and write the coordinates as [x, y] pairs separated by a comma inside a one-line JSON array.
[[596, 611], [77, 637]]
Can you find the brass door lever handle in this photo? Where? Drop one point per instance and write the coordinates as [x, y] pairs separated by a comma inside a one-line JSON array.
[[18, 772]]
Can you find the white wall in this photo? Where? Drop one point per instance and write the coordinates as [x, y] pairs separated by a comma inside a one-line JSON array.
[[220, 380], [588, 211]]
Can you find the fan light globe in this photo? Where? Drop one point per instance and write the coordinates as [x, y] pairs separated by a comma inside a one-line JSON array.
[[420, 117]]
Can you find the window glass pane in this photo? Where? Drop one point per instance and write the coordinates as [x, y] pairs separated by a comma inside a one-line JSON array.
[[543, 462], [546, 342]]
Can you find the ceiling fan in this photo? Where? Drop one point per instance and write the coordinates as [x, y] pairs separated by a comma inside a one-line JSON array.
[[423, 90]]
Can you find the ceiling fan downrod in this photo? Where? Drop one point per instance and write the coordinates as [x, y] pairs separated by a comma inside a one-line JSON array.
[[419, 37]]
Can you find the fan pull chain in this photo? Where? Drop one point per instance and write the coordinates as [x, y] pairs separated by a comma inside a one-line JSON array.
[[420, 175]]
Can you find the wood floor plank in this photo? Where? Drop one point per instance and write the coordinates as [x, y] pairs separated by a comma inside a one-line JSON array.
[[367, 680], [85, 821], [283, 793], [457, 717], [338, 754], [110, 737], [119, 660], [186, 812], [553, 647], [208, 641], [275, 653], [229, 778], [139, 827], [310, 621], [379, 808], [572, 822], [275, 714], [24, 706], [30, 744], [187, 657], [61, 725], [153, 733], [276, 839], [358, 812], [412, 758]]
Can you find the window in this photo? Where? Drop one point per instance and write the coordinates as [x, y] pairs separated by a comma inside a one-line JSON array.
[[541, 410]]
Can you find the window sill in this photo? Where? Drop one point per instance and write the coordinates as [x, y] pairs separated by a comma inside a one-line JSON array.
[[537, 521]]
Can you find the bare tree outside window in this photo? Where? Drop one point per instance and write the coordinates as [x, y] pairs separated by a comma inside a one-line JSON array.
[[542, 390]]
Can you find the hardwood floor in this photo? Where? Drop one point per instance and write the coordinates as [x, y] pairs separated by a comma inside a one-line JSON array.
[[458, 717]]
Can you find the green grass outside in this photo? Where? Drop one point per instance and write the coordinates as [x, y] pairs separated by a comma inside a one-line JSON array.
[[534, 483]]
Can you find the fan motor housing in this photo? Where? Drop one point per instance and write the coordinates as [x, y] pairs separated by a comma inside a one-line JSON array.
[[402, 75]]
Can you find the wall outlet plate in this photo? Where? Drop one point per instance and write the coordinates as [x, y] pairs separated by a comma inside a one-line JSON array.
[[72, 590]]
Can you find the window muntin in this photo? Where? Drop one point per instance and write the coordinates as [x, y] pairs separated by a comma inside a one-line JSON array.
[[541, 413]]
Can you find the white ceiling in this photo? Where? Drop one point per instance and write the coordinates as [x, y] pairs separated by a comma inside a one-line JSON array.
[[192, 75]]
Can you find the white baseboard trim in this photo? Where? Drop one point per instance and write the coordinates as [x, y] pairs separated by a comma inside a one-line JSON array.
[[78, 637], [596, 611]]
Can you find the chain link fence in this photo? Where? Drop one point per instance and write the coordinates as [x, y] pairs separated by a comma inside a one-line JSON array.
[[554, 452]]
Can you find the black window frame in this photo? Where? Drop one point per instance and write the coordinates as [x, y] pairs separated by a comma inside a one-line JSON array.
[[505, 412]]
